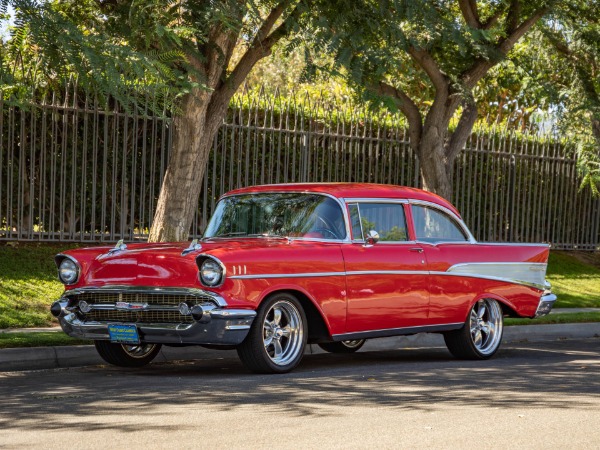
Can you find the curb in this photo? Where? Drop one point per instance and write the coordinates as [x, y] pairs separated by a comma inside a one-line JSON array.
[[43, 358]]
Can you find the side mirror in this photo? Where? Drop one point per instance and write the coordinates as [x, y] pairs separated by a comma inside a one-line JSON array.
[[372, 237]]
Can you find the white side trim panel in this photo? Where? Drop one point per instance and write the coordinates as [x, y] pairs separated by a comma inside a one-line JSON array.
[[533, 274]]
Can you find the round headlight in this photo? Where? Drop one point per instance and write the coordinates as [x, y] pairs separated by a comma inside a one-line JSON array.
[[68, 271], [211, 273]]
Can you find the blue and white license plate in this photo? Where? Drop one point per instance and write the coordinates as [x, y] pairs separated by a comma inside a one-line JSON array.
[[123, 334]]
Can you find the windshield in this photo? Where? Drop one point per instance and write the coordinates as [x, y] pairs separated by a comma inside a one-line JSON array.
[[287, 215]]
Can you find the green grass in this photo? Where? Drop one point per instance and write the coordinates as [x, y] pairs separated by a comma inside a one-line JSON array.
[[28, 283], [38, 339], [575, 278], [556, 318]]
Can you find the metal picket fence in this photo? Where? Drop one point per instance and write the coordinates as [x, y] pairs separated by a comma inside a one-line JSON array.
[[75, 169]]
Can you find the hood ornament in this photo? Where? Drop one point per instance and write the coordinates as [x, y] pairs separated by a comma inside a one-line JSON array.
[[119, 247], [194, 246]]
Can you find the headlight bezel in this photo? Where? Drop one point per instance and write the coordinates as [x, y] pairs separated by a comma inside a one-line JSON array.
[[75, 268], [217, 266]]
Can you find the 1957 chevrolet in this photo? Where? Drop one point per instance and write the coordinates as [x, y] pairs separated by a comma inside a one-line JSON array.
[[281, 266]]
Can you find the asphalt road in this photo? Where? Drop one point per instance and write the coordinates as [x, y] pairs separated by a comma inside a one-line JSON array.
[[531, 395]]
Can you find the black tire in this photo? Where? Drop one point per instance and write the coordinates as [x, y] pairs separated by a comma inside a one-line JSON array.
[[277, 338], [127, 355], [343, 346], [481, 335]]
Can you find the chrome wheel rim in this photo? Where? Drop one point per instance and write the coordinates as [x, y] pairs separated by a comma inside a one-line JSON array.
[[283, 333], [138, 351], [486, 326], [353, 344]]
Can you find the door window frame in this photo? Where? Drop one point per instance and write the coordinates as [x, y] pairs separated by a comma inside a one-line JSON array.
[[447, 212], [407, 218]]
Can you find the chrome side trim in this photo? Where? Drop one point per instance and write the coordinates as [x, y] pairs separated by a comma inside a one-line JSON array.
[[530, 274], [289, 275], [397, 331], [388, 272], [520, 244], [220, 301], [484, 276]]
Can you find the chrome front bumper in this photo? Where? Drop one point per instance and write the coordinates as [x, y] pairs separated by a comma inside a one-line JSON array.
[[217, 327]]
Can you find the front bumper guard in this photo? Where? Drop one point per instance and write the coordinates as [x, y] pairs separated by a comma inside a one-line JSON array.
[[545, 305], [216, 326]]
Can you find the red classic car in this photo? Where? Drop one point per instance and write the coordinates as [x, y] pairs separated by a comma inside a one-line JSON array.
[[282, 265]]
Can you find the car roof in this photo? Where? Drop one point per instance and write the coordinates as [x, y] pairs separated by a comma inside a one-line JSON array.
[[351, 190]]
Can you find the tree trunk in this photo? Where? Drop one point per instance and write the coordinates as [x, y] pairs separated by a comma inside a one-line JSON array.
[[438, 148], [435, 173], [194, 132], [596, 130]]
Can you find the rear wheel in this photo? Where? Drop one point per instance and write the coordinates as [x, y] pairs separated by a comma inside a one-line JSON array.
[[277, 338], [127, 355], [481, 335], [343, 346]]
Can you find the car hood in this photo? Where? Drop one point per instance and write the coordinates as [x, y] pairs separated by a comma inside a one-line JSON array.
[[164, 264]]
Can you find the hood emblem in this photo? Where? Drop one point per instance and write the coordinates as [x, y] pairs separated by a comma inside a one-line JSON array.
[[194, 246], [131, 306], [120, 246]]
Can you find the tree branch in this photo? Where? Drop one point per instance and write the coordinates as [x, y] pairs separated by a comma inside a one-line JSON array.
[[262, 44], [514, 14], [468, 9], [431, 68], [409, 109], [493, 20], [480, 67], [463, 129]]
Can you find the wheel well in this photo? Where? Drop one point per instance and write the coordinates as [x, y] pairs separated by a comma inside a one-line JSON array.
[[317, 328], [507, 310]]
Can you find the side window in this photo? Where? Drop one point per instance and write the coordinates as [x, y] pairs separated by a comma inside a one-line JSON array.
[[432, 225], [387, 219]]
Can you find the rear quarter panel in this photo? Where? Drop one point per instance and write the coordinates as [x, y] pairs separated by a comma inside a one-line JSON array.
[[452, 294]]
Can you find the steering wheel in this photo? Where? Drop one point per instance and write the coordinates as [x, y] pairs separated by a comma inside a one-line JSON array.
[[327, 229]]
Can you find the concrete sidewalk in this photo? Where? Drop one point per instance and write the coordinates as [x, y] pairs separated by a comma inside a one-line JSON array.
[[37, 358]]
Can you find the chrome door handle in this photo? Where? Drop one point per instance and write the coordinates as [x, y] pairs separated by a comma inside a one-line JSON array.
[[416, 249]]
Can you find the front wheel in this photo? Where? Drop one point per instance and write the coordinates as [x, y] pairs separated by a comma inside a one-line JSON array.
[[127, 355], [481, 335], [277, 338], [343, 346]]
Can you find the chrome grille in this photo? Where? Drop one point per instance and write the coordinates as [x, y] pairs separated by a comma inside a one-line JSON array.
[[151, 299], [137, 316]]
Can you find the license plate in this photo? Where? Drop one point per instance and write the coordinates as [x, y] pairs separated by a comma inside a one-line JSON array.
[[123, 334]]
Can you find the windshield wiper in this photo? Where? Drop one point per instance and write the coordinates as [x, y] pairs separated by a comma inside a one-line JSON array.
[[244, 234], [233, 233]]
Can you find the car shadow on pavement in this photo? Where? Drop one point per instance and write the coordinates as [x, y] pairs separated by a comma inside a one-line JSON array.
[[559, 375]]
